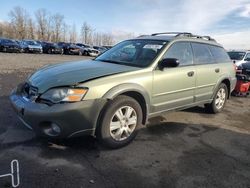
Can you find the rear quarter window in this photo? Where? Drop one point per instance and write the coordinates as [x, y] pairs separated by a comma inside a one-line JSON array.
[[202, 54], [219, 54]]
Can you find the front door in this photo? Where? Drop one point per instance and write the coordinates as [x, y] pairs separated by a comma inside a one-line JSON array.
[[175, 87]]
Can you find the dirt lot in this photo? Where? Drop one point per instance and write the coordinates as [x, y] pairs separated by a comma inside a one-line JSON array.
[[180, 149]]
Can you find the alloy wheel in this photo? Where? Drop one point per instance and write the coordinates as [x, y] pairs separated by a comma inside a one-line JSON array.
[[123, 123]]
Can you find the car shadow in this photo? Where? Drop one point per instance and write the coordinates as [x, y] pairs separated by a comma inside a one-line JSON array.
[[196, 109]]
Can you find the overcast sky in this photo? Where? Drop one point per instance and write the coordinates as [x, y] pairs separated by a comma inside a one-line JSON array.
[[228, 21]]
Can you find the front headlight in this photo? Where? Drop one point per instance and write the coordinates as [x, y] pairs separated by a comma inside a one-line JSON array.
[[57, 95]]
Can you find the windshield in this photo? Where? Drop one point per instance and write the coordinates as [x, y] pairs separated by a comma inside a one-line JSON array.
[[236, 55], [5, 41], [139, 53], [30, 42], [55, 45]]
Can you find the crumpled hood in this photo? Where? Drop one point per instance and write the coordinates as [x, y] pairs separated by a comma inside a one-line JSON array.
[[72, 73]]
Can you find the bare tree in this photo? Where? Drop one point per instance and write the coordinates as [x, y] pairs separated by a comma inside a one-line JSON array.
[[18, 19], [97, 39], [65, 29], [107, 39], [2, 29], [42, 18], [51, 28], [31, 29], [86, 32], [6, 30], [73, 34], [57, 25]]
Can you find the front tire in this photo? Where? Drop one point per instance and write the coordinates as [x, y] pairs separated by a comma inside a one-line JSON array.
[[120, 122], [49, 51], [219, 100]]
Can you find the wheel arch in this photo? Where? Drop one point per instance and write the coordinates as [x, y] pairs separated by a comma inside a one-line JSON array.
[[226, 81], [134, 91]]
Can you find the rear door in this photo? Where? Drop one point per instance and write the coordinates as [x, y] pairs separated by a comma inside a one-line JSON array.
[[207, 70], [174, 87]]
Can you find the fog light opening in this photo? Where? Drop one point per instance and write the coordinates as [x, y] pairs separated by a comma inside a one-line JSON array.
[[51, 129], [55, 128]]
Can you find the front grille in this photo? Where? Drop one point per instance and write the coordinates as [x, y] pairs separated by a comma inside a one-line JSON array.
[[29, 91]]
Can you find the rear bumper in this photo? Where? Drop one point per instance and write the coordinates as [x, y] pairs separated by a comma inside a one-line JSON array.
[[73, 119]]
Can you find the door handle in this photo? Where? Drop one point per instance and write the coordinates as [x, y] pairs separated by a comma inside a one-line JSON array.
[[190, 74], [217, 70]]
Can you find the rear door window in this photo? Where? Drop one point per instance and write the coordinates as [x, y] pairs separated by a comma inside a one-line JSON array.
[[202, 54]]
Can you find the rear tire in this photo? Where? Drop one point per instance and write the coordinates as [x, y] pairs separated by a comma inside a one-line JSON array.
[[219, 100], [120, 122]]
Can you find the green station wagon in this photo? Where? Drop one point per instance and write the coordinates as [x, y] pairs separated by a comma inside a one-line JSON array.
[[111, 96]]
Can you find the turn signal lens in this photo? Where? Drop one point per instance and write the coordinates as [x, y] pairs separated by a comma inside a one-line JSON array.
[[75, 95]]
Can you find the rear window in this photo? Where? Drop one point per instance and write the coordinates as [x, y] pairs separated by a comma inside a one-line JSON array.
[[202, 54], [219, 54], [236, 55]]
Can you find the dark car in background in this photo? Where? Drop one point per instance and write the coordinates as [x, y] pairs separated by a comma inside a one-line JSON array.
[[71, 49], [8, 45], [107, 47], [88, 50], [51, 48], [31, 46], [100, 49]]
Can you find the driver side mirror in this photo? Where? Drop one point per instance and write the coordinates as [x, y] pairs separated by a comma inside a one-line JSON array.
[[247, 59], [168, 62]]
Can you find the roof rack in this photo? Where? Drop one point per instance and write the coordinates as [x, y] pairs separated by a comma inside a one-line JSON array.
[[172, 33], [185, 34]]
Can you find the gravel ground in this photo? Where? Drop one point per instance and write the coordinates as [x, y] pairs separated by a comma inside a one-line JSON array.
[[180, 149]]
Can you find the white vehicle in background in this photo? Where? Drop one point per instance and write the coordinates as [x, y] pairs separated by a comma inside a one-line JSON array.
[[240, 56]]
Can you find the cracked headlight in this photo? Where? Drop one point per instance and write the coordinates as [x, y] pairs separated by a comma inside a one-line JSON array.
[[57, 95]]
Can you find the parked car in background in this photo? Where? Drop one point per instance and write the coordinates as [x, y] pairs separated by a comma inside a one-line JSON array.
[[8, 45], [88, 50], [107, 47], [100, 49], [71, 49], [239, 57], [31, 46], [51, 48], [114, 94]]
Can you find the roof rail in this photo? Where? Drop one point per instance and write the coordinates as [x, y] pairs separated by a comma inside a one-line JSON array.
[[172, 33], [185, 34]]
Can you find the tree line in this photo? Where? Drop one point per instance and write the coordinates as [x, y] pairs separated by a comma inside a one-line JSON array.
[[45, 26]]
